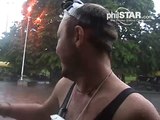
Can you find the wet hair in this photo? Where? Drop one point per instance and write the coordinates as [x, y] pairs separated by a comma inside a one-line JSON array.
[[94, 17]]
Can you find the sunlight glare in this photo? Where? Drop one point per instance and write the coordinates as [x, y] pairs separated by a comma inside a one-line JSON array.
[[10, 11], [29, 9], [156, 6]]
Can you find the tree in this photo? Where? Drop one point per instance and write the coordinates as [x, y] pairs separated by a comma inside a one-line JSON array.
[[42, 40], [41, 43], [149, 47], [11, 48], [44, 24]]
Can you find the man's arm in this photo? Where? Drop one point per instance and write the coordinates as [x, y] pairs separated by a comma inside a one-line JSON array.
[[31, 111], [38, 111], [24, 111]]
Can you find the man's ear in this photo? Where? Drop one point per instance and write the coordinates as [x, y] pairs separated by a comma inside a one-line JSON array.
[[79, 35]]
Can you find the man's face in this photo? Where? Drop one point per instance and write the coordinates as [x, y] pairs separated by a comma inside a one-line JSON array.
[[66, 50]]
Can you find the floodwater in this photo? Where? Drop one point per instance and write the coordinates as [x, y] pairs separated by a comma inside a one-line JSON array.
[[12, 93]]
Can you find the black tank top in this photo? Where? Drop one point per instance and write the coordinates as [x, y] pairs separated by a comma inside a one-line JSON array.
[[108, 112]]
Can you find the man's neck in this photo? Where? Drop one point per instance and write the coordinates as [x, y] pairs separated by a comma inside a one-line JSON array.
[[91, 79]]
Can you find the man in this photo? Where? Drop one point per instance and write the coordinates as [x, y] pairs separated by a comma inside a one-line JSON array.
[[91, 89]]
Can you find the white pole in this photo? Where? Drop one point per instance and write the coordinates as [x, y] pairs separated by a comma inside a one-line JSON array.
[[24, 51]]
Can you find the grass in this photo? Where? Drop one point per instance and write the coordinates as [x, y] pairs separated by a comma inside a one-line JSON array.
[[4, 64], [130, 78]]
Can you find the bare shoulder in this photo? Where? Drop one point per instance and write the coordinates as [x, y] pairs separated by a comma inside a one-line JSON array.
[[143, 109], [62, 88], [137, 107], [53, 103]]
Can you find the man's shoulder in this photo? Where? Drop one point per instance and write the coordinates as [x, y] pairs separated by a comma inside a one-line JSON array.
[[137, 107], [63, 84], [53, 103], [62, 87]]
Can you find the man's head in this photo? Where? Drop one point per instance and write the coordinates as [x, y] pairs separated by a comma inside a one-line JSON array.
[[93, 17], [84, 25]]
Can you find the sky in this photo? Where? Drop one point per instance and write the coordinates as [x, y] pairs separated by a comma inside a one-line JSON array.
[[10, 11], [157, 5]]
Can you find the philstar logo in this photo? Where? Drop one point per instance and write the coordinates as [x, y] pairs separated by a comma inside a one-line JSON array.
[[126, 17]]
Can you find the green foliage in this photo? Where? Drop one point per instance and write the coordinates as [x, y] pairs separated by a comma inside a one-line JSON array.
[[149, 45], [11, 48], [41, 42], [125, 56], [136, 50]]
